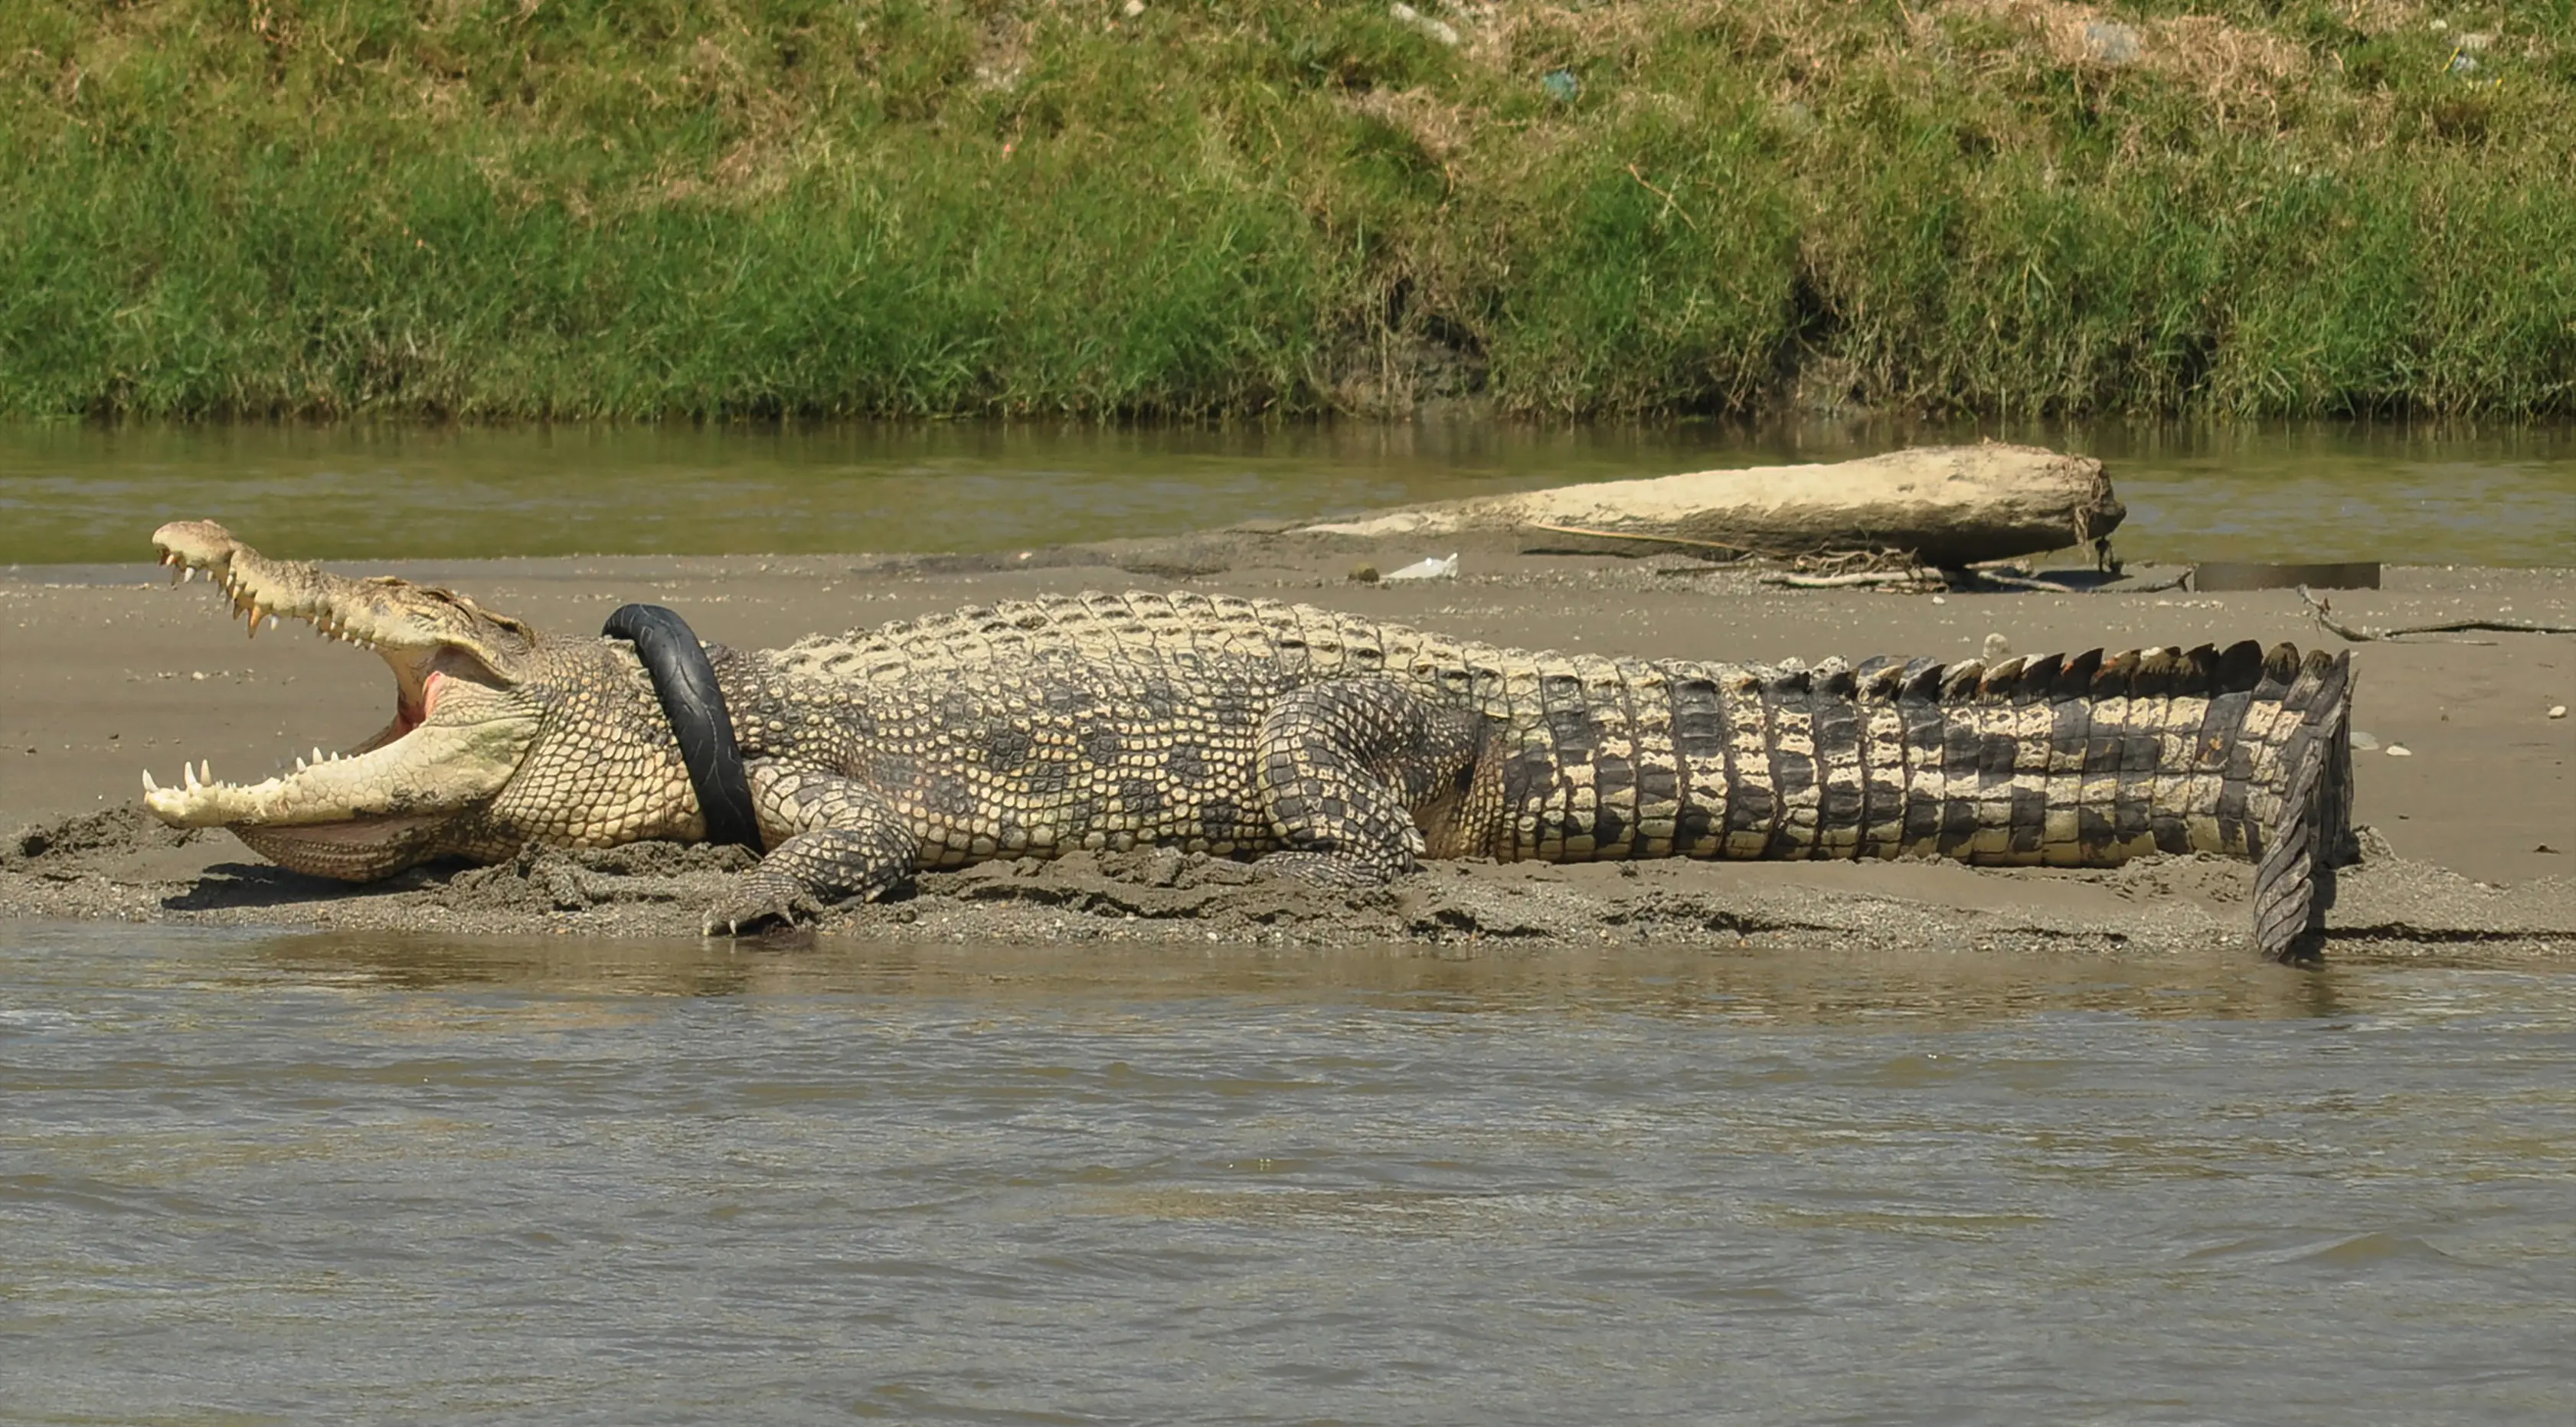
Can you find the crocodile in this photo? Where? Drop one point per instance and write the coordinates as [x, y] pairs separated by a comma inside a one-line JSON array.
[[1322, 745]]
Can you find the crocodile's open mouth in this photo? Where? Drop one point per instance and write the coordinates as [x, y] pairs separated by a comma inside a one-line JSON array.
[[455, 736]]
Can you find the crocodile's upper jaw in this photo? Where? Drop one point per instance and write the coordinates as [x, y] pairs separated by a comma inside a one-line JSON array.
[[460, 728]]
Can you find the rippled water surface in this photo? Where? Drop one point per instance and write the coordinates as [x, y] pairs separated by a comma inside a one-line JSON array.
[[255, 1177], [72, 493]]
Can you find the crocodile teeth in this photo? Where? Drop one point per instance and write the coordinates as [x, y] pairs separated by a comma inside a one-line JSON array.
[[148, 785], [188, 774], [187, 573]]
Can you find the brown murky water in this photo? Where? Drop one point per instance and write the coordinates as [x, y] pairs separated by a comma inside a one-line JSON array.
[[266, 1178], [257, 1177], [79, 494]]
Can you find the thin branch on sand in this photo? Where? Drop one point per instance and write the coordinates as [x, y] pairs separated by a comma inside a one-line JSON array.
[[2324, 612]]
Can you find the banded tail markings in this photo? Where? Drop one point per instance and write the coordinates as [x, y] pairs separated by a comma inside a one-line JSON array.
[[1752, 797], [2149, 813], [1963, 751], [1998, 753], [1529, 775], [2223, 751], [2070, 728], [1610, 702], [2110, 717], [1788, 714], [2185, 780], [1654, 770], [2034, 730], [2131, 817], [1880, 687], [2269, 726], [1642, 713], [1700, 760], [1842, 771], [1568, 827], [1919, 706]]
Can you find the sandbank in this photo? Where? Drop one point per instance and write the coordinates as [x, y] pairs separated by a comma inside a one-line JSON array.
[[2472, 831]]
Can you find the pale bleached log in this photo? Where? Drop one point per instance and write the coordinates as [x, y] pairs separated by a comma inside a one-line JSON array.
[[1948, 506]]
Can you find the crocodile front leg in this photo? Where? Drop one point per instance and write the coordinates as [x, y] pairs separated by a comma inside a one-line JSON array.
[[1349, 767], [832, 838]]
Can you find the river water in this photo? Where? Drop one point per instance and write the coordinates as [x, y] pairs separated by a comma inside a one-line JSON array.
[[81, 493], [258, 1177], [264, 1177]]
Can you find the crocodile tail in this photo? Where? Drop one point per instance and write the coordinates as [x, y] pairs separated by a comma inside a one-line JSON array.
[[2311, 835]]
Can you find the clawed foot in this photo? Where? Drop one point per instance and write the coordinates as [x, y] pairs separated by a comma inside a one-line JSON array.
[[759, 905]]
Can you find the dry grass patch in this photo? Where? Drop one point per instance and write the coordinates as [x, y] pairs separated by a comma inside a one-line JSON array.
[[1440, 129], [2234, 69]]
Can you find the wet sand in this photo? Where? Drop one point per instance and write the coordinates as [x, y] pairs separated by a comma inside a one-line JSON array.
[[2474, 832]]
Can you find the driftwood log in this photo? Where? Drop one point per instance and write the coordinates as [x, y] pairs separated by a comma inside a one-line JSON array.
[[1946, 506]]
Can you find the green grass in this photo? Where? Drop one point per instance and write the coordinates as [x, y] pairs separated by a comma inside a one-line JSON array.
[[754, 208]]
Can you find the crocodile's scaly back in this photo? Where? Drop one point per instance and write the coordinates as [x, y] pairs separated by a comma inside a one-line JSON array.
[[2083, 760]]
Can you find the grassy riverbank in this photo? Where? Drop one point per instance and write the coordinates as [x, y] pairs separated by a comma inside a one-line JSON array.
[[753, 207]]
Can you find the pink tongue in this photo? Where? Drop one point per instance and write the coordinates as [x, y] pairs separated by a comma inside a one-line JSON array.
[[429, 695]]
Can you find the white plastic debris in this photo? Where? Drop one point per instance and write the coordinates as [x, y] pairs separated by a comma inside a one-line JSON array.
[[1439, 30], [2364, 742], [2558, 711], [2399, 750], [1427, 570], [2111, 42]]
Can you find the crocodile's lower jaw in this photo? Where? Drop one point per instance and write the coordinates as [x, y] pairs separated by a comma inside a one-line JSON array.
[[433, 769], [358, 850]]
